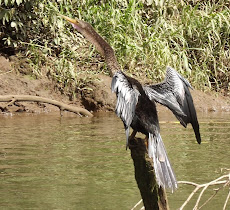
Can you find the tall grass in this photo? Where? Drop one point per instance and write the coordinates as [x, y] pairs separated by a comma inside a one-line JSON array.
[[191, 36]]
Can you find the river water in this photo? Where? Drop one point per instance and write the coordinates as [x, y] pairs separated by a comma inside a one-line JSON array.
[[48, 162]]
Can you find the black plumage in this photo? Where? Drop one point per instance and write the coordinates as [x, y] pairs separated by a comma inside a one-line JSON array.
[[174, 93], [137, 111]]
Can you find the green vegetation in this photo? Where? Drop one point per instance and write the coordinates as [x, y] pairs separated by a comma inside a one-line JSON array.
[[191, 36]]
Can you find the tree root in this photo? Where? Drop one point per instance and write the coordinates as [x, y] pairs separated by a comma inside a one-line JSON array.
[[63, 107]]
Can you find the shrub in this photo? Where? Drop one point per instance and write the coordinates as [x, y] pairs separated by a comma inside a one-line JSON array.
[[191, 36]]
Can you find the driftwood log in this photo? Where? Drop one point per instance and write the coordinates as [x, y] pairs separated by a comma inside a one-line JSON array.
[[63, 107], [153, 197]]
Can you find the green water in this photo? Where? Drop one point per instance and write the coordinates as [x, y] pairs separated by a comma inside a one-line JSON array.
[[48, 162]]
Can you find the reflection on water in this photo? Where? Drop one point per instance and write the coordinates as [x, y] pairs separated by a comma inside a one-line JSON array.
[[81, 163]]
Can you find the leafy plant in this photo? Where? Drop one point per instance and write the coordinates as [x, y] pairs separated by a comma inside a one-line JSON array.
[[191, 36]]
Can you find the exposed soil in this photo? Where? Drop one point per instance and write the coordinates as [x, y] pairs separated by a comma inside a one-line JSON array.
[[12, 82]]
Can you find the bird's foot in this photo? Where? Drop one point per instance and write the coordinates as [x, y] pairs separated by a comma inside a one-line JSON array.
[[132, 143], [146, 142], [131, 140], [137, 143]]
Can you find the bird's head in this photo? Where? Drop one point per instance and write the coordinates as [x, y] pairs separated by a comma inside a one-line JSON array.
[[80, 25], [88, 32]]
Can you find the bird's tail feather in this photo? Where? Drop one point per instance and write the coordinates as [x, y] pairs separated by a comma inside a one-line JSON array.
[[163, 170], [127, 136]]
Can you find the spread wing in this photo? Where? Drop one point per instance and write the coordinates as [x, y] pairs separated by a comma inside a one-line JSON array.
[[127, 98], [174, 93]]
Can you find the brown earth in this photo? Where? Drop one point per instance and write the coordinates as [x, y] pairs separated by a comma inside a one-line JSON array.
[[12, 82]]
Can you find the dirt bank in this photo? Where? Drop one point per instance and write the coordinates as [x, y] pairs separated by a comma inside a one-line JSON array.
[[100, 99]]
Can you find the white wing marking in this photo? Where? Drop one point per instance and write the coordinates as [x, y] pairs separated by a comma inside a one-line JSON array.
[[127, 98]]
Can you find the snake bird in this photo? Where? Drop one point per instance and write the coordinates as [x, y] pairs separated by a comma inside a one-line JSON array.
[[136, 104]]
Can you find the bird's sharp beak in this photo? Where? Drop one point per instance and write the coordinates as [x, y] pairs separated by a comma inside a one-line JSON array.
[[73, 21]]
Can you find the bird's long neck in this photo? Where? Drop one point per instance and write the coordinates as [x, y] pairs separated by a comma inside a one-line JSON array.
[[111, 61], [105, 49]]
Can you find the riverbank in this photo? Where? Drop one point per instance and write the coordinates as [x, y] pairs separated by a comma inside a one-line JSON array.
[[97, 97]]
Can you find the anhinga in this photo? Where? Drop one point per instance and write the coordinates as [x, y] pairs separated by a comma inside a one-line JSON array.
[[136, 104]]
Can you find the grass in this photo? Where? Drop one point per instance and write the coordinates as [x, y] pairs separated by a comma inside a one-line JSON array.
[[192, 37]]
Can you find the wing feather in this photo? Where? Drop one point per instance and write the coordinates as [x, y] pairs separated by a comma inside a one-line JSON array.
[[127, 98], [174, 93]]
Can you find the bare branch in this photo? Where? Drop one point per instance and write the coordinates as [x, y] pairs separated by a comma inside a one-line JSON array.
[[189, 183], [223, 180], [201, 193], [210, 198], [137, 204], [225, 204], [13, 98], [190, 196]]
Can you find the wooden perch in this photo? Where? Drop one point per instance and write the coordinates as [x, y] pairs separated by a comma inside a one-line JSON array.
[[153, 197], [13, 98]]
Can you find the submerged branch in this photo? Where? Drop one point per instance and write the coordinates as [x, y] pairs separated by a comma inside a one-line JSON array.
[[13, 98]]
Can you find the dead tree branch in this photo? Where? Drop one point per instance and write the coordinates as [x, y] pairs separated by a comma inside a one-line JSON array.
[[223, 181], [153, 197], [13, 98]]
